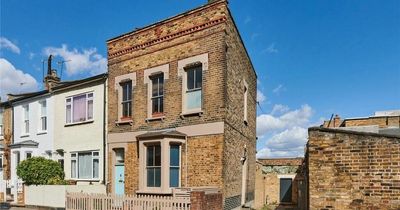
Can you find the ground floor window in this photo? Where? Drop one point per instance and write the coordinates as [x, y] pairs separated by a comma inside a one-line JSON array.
[[85, 165], [285, 190]]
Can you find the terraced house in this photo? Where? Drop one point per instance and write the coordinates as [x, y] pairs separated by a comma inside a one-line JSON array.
[[182, 107]]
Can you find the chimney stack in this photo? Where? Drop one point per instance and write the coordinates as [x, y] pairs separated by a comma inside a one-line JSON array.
[[51, 78]]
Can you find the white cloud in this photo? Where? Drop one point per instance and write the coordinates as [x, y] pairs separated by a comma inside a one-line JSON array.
[[283, 132], [279, 109], [298, 117], [279, 89], [7, 44], [270, 49], [31, 55], [13, 80], [260, 96], [289, 143], [87, 60]]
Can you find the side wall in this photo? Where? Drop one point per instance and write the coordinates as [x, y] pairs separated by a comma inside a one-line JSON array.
[[353, 170], [238, 135]]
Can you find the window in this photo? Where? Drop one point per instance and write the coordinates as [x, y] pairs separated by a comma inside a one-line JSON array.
[[160, 166], [85, 165], [194, 81], [126, 99], [157, 95], [245, 93], [26, 118], [153, 166], [61, 162], [28, 155], [285, 190], [17, 158], [1, 122], [174, 165], [43, 115], [79, 108]]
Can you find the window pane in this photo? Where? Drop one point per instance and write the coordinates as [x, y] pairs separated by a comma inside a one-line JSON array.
[[43, 108], [157, 161], [174, 177], [150, 177], [193, 99], [155, 105], [190, 79], [68, 114], [26, 112], [95, 168], [84, 165], [157, 177], [79, 108], [73, 168], [174, 155], [28, 155], [44, 123], [161, 85], [198, 77], [150, 155], [161, 99], [90, 109], [126, 91], [61, 162], [154, 86], [26, 126]]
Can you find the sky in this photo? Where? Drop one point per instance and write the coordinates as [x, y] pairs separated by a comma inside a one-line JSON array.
[[313, 58]]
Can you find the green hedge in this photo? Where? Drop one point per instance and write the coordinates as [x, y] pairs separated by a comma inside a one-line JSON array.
[[40, 171]]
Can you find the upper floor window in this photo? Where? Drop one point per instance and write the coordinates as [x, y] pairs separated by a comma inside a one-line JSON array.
[[79, 108], [26, 118], [1, 122], [194, 81], [43, 115], [157, 95], [126, 102]]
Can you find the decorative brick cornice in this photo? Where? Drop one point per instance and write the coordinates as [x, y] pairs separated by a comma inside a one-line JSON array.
[[168, 37]]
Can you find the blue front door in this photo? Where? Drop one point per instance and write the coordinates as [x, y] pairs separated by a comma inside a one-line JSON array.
[[119, 179]]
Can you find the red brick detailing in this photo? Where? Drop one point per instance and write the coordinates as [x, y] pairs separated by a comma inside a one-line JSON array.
[[199, 200], [168, 37]]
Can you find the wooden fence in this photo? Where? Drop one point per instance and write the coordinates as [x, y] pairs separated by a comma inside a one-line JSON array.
[[83, 201]]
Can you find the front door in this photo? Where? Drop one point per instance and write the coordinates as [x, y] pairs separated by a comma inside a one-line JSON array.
[[286, 190], [119, 179]]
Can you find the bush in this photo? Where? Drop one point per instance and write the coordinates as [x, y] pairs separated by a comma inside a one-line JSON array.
[[40, 171]]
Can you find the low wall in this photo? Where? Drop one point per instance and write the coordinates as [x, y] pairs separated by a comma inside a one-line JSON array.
[[54, 195]]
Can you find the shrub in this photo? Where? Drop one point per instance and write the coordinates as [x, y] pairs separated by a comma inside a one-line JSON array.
[[40, 171]]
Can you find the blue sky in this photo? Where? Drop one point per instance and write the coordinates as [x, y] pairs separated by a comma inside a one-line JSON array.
[[313, 58]]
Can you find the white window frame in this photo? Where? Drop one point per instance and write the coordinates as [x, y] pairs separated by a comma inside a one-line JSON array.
[[1, 162], [165, 164], [147, 74], [245, 101], [25, 120], [71, 104], [157, 97], [203, 59], [117, 86], [43, 116], [26, 154], [74, 157], [127, 101]]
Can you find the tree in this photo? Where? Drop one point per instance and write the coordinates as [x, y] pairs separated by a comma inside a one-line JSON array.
[[40, 171]]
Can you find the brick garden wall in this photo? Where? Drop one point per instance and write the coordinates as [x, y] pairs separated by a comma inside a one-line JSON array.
[[353, 170]]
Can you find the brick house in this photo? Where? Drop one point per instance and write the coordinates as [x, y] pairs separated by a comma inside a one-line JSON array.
[[182, 107]]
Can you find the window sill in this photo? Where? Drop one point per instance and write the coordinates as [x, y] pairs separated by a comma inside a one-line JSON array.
[[85, 180], [155, 118], [121, 122], [25, 135], [41, 132], [193, 113], [79, 123]]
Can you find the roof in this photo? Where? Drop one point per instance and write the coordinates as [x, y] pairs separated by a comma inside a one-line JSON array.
[[281, 161], [164, 133], [338, 130], [60, 85], [27, 143], [137, 30]]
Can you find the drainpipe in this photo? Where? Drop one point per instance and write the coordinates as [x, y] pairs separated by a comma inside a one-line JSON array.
[[104, 132]]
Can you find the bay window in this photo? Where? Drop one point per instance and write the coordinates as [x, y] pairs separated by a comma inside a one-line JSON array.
[[85, 165], [174, 165], [126, 102], [79, 108], [153, 166], [157, 94]]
